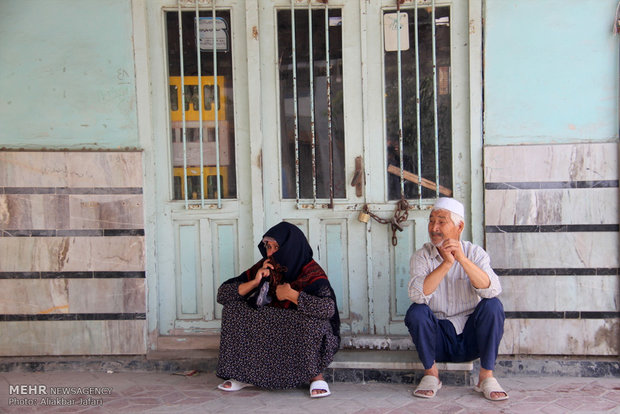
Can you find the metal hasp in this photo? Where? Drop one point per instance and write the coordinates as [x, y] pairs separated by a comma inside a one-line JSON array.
[[358, 177]]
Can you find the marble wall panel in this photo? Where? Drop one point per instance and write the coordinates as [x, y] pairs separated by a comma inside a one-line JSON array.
[[566, 162], [28, 254], [106, 212], [560, 293], [547, 207], [107, 295], [55, 254], [50, 192], [112, 337], [109, 169], [34, 211], [539, 292], [561, 337], [34, 296], [587, 293], [553, 250], [70, 169], [55, 212], [33, 169], [593, 168]]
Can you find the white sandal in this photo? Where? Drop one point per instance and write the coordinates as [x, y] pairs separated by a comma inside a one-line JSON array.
[[234, 385], [490, 385], [428, 383], [319, 385]]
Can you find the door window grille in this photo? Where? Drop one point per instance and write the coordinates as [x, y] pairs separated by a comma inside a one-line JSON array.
[[311, 104], [200, 76], [418, 102]]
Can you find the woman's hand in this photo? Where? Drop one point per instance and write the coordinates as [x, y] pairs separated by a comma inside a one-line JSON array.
[[264, 271], [286, 292], [247, 287]]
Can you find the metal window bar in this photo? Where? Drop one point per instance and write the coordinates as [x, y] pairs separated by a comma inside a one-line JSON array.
[[312, 104], [311, 70], [400, 102], [418, 115], [184, 127], [295, 114], [216, 98], [435, 119], [329, 108], [200, 106], [417, 105]]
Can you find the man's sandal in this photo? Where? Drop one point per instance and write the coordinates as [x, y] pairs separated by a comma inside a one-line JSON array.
[[428, 383], [234, 385], [489, 386]]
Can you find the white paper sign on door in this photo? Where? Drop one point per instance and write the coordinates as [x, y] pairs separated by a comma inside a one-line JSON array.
[[390, 31], [206, 34]]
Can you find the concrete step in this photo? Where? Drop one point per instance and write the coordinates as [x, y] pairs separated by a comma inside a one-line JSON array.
[[392, 360], [403, 366], [349, 365]]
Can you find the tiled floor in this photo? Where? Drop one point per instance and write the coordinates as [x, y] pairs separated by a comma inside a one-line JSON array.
[[130, 392]]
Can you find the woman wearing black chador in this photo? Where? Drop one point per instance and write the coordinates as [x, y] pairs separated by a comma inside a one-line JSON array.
[[280, 324]]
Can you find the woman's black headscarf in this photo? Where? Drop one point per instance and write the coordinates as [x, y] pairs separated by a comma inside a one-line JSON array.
[[294, 251]]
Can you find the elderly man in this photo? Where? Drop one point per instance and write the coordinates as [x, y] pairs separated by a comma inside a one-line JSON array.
[[455, 316]]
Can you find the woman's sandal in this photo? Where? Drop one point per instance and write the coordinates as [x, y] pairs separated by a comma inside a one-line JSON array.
[[319, 385], [234, 385]]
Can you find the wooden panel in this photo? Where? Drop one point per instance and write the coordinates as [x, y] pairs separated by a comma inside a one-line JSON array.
[[400, 271], [225, 257], [188, 270], [413, 236], [337, 263]]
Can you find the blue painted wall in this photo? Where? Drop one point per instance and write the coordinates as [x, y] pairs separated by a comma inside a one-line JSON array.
[[67, 76], [550, 71]]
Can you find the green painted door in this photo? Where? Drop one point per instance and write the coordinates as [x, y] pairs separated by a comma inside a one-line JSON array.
[[202, 226], [436, 140], [312, 147]]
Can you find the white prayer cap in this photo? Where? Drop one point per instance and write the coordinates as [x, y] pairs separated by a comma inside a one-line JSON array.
[[450, 204]]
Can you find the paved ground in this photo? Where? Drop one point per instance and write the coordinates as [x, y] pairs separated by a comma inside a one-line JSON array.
[[129, 392]]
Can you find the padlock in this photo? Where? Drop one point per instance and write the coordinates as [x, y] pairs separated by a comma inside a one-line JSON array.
[[363, 217]]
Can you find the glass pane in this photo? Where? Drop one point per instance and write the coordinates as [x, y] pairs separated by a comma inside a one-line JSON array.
[[427, 117], [191, 104], [287, 114]]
